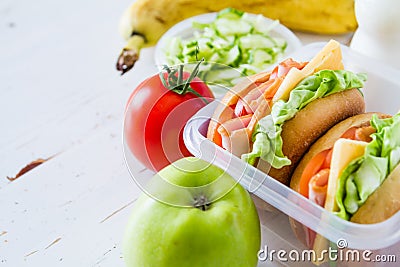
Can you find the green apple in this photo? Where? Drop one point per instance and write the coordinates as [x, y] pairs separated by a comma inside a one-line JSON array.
[[206, 220]]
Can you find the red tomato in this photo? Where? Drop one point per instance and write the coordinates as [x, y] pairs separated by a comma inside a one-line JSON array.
[[155, 118]]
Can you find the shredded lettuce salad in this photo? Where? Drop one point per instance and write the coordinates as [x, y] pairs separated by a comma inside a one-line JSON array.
[[365, 174], [267, 140], [235, 39]]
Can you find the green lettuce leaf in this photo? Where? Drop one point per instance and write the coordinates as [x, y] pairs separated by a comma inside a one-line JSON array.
[[365, 174], [267, 140]]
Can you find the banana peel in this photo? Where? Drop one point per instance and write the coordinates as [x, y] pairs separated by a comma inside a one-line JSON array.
[[145, 21]]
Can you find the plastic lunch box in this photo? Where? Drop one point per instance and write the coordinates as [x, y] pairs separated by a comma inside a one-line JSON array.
[[382, 93]]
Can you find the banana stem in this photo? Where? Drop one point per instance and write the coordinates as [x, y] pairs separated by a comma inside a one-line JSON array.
[[130, 53]]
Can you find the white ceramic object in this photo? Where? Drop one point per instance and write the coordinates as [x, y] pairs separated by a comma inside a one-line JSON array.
[[378, 33]]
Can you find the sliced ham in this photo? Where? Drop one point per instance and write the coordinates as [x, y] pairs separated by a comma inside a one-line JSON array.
[[284, 67], [267, 94], [224, 110], [249, 102], [251, 96], [234, 135], [317, 187], [364, 133]]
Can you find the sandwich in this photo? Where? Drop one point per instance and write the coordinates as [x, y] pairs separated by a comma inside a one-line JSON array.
[[271, 119], [353, 171]]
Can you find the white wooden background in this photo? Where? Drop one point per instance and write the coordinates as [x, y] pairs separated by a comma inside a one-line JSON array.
[[61, 97]]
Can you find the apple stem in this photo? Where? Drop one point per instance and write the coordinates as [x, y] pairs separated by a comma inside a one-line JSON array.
[[201, 203]]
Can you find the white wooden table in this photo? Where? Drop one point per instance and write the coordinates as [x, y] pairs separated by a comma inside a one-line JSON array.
[[61, 97]]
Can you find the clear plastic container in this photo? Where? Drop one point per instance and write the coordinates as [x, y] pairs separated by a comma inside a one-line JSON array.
[[382, 93]]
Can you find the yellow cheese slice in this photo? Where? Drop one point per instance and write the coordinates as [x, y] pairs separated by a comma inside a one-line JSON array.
[[330, 57], [344, 151]]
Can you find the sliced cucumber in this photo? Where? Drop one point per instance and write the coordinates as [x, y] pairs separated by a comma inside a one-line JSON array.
[[235, 39], [256, 41], [260, 57], [230, 13], [232, 57], [228, 27]]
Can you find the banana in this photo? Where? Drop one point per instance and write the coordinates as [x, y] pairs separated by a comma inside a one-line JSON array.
[[145, 21]]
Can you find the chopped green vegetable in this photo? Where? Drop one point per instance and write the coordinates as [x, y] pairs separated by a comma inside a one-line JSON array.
[[234, 39]]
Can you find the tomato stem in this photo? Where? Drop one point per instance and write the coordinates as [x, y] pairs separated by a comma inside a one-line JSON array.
[[180, 75], [176, 83]]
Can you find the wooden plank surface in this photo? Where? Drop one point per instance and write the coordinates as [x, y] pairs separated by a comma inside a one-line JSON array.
[[57, 79]]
